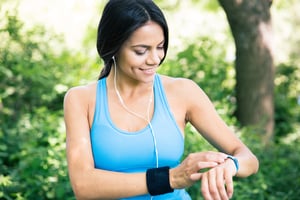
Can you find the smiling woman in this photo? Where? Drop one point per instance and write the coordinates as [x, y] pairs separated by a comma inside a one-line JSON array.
[[125, 132]]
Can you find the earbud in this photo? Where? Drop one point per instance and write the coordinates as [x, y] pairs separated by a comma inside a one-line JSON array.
[[114, 61]]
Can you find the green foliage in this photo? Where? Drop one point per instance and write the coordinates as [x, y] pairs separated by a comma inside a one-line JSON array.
[[211, 5], [35, 72], [32, 85], [204, 62], [278, 176], [287, 108]]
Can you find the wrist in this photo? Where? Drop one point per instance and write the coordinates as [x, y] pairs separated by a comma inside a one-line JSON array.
[[172, 178], [158, 181], [235, 162]]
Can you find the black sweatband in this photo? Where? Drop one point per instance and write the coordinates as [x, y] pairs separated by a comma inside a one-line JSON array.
[[158, 181]]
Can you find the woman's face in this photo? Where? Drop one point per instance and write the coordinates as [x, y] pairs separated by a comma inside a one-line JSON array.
[[141, 54]]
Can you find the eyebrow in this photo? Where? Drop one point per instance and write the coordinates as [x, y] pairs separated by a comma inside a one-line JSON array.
[[146, 46]]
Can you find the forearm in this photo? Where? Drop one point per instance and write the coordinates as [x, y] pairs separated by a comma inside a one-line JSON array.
[[101, 184]]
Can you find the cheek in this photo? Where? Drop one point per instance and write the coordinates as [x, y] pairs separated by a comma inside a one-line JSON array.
[[133, 60], [128, 58]]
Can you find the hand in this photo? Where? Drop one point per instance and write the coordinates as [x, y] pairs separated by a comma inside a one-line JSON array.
[[216, 183], [187, 173]]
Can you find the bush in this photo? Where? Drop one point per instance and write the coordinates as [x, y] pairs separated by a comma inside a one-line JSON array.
[[32, 85], [287, 94], [278, 176], [35, 74], [203, 61]]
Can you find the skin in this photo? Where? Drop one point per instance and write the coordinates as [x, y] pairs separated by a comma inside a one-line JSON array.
[[137, 62]]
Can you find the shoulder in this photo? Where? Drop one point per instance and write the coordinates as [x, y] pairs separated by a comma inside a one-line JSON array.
[[179, 85], [81, 92], [186, 92], [80, 95], [174, 81], [186, 99]]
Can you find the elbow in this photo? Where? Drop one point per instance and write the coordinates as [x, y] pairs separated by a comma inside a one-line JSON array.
[[250, 167], [253, 167], [256, 165], [81, 191]]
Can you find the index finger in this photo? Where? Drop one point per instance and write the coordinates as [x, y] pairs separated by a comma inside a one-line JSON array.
[[201, 168], [211, 156]]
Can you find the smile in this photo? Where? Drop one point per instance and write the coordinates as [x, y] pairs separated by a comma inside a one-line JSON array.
[[149, 71]]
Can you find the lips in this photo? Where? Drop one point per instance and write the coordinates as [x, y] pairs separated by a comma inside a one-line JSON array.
[[148, 71]]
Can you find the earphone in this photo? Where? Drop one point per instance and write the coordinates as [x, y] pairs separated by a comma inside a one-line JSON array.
[[136, 114]]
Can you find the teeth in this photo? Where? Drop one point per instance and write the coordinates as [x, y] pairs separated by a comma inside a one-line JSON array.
[[148, 70]]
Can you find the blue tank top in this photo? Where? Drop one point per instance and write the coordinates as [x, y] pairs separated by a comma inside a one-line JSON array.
[[121, 151]]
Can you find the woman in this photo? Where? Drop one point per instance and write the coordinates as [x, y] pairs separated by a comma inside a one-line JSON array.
[[125, 133]]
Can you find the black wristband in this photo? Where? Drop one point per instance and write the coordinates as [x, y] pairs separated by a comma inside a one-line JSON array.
[[158, 181]]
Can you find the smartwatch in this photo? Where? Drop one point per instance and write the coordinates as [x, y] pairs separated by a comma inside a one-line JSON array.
[[236, 162]]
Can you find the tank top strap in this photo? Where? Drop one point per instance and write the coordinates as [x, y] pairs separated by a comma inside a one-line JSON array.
[[101, 104], [161, 103]]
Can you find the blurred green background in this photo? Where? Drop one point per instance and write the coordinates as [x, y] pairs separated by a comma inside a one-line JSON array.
[[47, 47]]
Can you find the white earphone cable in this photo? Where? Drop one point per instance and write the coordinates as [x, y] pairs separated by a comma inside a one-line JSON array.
[[136, 114]]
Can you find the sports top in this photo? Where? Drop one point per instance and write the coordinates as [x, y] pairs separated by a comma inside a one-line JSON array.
[[122, 151]]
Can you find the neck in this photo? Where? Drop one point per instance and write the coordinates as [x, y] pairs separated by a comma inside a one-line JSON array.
[[122, 102]]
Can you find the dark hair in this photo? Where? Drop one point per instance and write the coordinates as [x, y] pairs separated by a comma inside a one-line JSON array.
[[119, 20]]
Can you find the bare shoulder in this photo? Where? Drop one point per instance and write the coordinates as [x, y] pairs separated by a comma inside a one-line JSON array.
[[186, 92], [80, 94], [179, 85]]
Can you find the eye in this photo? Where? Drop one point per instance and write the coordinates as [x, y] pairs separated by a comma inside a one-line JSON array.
[[140, 51], [160, 48]]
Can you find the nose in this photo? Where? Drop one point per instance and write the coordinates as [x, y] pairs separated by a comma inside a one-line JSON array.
[[153, 58]]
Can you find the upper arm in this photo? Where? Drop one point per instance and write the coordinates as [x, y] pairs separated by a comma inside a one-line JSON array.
[[79, 154], [202, 115], [87, 181]]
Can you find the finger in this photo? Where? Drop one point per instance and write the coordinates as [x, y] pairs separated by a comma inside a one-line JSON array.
[[218, 154], [211, 156], [221, 184], [212, 184], [204, 187], [229, 184], [205, 165], [196, 176], [202, 167]]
